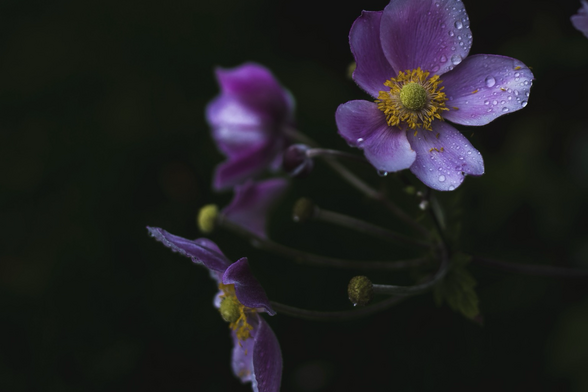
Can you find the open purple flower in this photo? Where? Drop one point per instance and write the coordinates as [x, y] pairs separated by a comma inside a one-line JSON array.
[[248, 121], [256, 353], [412, 59], [580, 20]]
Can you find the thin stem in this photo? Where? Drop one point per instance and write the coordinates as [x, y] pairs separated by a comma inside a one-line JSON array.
[[324, 152], [366, 227], [419, 288], [341, 315], [317, 260], [536, 270], [362, 186]]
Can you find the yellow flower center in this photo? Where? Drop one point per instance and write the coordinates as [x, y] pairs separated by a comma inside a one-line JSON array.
[[234, 312], [207, 218], [413, 98]]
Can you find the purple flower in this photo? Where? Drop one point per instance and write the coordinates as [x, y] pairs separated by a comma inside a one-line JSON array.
[[412, 59], [580, 20], [252, 202], [248, 119], [256, 353]]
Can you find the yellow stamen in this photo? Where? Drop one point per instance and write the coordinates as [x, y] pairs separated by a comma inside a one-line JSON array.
[[207, 218], [475, 91], [517, 68], [502, 88], [412, 98], [235, 312]]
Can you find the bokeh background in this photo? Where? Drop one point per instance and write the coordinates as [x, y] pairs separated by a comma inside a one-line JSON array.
[[102, 132]]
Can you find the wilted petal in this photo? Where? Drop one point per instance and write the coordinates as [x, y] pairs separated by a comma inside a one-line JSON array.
[[373, 69], [431, 34], [201, 250], [267, 360], [247, 289], [484, 87], [256, 87], [444, 155], [252, 202], [363, 125], [580, 20]]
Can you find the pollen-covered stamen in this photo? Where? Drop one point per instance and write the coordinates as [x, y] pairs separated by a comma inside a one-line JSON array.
[[413, 98], [234, 312]]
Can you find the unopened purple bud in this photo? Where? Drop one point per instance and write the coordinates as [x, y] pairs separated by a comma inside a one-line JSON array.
[[296, 162]]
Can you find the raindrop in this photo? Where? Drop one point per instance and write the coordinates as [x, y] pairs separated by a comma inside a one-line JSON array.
[[517, 74], [359, 142], [489, 110], [435, 68], [458, 25], [469, 153], [442, 25], [509, 98], [494, 102], [505, 110], [443, 59], [490, 81], [382, 173], [523, 103], [441, 178], [455, 59], [486, 102], [451, 33], [451, 187], [502, 102], [516, 92]]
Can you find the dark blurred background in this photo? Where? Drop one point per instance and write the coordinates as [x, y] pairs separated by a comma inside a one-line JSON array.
[[102, 132]]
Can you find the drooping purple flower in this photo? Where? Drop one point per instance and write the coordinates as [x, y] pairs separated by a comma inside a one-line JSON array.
[[580, 20], [248, 119], [257, 357], [252, 202], [412, 58]]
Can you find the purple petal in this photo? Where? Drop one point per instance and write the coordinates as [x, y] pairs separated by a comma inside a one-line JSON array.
[[432, 35], [242, 358], [247, 289], [239, 168], [256, 87], [580, 20], [236, 127], [484, 87], [252, 202], [363, 125], [201, 250], [373, 69], [267, 360], [442, 160]]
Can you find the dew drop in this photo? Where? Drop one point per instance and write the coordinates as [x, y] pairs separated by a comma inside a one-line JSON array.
[[490, 81], [455, 59], [442, 25], [517, 74], [451, 187], [359, 142], [494, 102], [443, 59], [441, 178], [509, 98], [523, 103], [469, 153], [458, 25], [435, 68], [382, 173], [486, 102], [451, 33]]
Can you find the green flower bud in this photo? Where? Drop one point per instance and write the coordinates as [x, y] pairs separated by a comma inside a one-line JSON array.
[[360, 290]]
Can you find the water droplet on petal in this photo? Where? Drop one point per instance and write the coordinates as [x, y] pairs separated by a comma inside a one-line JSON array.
[[441, 178], [523, 103], [458, 25], [382, 173], [451, 187], [435, 68], [443, 59], [359, 142], [490, 81], [505, 110], [451, 33], [455, 59], [486, 102]]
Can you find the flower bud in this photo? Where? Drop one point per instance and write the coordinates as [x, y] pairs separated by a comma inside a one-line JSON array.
[[295, 162], [207, 218], [304, 210], [360, 290]]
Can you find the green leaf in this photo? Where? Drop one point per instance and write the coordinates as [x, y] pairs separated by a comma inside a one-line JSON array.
[[457, 289]]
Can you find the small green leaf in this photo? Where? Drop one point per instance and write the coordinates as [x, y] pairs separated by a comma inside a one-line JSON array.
[[457, 289]]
